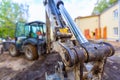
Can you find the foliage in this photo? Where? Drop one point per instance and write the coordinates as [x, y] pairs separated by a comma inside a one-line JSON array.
[[112, 1], [102, 5], [10, 13]]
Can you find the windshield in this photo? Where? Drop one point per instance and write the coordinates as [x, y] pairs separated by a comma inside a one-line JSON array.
[[30, 30]]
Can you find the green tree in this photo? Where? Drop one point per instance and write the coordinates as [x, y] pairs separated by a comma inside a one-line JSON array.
[[111, 2], [10, 13], [102, 5]]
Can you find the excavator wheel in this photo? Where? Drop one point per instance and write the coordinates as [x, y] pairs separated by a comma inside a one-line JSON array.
[[1, 51], [31, 52], [12, 51]]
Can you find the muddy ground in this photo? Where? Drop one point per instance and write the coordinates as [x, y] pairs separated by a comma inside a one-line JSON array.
[[18, 68]]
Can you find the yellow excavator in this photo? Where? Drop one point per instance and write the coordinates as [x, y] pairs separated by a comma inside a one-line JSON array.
[[81, 59]]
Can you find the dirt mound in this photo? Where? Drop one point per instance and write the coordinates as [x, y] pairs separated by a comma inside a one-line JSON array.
[[38, 69]]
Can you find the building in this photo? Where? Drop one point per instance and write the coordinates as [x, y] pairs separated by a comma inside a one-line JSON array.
[[105, 25], [88, 25]]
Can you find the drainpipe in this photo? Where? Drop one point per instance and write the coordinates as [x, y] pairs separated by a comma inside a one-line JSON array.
[[99, 25], [119, 20]]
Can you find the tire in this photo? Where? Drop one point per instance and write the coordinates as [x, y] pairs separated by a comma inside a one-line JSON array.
[[1, 51], [12, 50], [31, 52]]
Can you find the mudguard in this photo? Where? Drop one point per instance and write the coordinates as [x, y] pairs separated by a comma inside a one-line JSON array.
[[32, 41], [6, 45]]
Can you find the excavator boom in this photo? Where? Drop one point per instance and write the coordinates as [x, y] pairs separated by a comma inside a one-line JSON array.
[[81, 59]]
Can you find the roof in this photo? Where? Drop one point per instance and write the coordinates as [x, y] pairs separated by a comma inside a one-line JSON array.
[[34, 22], [80, 17]]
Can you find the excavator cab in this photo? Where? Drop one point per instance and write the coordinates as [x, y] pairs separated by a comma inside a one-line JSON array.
[[30, 30], [29, 39]]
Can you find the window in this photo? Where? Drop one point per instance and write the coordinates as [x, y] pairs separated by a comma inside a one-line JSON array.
[[115, 14], [115, 30], [27, 30], [20, 29]]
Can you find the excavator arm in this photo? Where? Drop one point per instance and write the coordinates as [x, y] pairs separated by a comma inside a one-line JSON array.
[[81, 59]]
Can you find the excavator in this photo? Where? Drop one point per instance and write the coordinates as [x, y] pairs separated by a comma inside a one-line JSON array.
[[81, 58]]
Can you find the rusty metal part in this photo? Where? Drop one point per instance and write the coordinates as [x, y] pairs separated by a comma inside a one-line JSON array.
[[88, 52], [73, 54], [111, 48], [85, 62], [89, 56], [70, 58], [98, 51]]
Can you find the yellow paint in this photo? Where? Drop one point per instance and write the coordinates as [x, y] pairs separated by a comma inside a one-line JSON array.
[[63, 30]]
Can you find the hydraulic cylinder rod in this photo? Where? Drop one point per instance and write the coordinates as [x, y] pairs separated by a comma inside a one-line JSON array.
[[76, 31]]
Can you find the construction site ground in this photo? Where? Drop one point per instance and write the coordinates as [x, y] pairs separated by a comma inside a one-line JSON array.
[[19, 68]]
